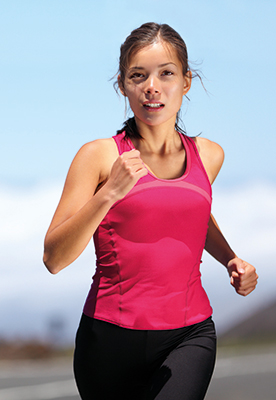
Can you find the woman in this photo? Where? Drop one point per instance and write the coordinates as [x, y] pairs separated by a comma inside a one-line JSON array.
[[145, 196]]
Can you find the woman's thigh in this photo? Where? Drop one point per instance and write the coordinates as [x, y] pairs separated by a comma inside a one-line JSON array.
[[108, 361], [111, 362], [186, 372]]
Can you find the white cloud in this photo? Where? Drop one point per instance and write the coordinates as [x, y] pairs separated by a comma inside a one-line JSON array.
[[247, 217], [30, 296]]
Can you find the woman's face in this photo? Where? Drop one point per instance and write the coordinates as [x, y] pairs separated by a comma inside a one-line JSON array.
[[155, 85]]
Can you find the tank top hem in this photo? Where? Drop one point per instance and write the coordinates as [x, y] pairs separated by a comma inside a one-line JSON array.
[[114, 322]]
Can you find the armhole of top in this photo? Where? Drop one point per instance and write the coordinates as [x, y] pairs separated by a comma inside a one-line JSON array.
[[200, 161], [117, 141], [121, 142]]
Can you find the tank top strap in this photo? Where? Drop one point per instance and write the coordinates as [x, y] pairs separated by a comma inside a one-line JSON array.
[[189, 144], [195, 157], [122, 143]]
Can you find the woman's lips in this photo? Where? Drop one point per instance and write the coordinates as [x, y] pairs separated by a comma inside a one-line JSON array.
[[153, 106]]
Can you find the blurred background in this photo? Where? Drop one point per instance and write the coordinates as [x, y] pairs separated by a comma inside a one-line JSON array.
[[57, 62]]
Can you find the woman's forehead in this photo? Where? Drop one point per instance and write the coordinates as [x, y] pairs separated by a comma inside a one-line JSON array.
[[159, 52]]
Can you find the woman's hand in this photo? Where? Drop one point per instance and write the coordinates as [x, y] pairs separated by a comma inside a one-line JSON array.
[[125, 172], [243, 276]]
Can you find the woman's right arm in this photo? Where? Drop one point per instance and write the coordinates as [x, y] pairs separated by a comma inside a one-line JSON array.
[[82, 208]]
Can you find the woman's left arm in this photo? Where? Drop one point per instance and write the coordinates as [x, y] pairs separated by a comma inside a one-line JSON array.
[[243, 276]]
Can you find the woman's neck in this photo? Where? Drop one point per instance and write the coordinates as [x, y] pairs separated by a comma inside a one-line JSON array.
[[161, 139]]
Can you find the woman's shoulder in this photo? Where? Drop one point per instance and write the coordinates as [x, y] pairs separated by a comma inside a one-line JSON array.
[[100, 151], [208, 146], [96, 157], [99, 147]]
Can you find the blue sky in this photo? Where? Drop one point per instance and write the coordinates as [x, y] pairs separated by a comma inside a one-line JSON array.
[[57, 59]]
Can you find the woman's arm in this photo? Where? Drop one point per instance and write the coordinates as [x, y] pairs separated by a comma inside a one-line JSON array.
[[242, 274], [216, 244], [82, 208]]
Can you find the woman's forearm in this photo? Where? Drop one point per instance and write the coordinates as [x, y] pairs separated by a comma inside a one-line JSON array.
[[67, 237], [66, 242], [216, 244]]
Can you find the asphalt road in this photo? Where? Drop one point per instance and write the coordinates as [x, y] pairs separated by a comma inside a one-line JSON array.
[[250, 376], [237, 377]]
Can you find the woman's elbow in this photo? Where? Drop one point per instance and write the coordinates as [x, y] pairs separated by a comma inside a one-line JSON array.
[[52, 266]]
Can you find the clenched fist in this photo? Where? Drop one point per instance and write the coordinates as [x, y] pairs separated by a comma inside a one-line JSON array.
[[125, 173]]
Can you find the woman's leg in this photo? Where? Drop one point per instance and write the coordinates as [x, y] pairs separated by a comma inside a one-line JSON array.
[[117, 363], [186, 372], [109, 361]]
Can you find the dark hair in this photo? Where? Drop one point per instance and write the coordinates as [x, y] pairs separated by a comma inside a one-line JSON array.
[[148, 34]]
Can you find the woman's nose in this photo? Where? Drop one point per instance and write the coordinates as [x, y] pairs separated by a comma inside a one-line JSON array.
[[152, 85]]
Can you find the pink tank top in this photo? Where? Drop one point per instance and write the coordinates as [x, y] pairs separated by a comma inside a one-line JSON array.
[[149, 248]]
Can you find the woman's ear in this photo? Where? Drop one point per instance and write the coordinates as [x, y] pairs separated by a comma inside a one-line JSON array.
[[187, 82], [121, 86]]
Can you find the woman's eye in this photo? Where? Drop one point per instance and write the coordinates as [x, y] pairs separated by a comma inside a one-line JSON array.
[[167, 73], [136, 75]]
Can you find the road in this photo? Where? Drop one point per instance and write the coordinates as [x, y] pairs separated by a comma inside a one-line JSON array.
[[244, 377], [37, 380], [237, 377]]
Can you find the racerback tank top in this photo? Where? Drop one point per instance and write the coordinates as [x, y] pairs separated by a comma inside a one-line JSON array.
[[148, 250]]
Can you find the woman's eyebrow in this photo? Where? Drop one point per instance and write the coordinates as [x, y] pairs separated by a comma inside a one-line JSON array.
[[164, 65], [159, 66], [135, 68]]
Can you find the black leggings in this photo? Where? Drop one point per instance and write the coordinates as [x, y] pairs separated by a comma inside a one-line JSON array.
[[111, 362]]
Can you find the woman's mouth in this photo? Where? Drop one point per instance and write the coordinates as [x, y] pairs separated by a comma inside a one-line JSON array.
[[153, 106]]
